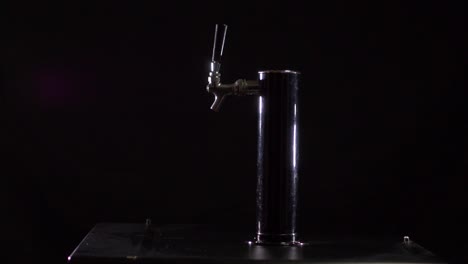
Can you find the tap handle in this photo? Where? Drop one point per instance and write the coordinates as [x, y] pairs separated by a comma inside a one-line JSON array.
[[214, 78], [218, 43]]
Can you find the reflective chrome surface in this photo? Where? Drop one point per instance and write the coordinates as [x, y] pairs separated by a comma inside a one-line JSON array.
[[278, 71], [277, 158]]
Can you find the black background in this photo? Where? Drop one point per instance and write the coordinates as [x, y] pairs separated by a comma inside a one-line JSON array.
[[105, 117]]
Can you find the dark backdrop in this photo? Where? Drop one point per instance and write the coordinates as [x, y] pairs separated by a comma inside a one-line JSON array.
[[105, 117]]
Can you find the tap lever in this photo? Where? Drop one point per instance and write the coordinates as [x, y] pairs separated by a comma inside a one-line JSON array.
[[217, 56]]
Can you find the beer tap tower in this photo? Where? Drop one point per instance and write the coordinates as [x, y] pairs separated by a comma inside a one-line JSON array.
[[277, 191], [277, 158]]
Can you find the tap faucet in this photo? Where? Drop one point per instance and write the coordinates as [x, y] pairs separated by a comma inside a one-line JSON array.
[[218, 89]]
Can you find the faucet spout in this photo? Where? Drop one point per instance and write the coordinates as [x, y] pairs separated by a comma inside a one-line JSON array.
[[217, 102], [220, 91]]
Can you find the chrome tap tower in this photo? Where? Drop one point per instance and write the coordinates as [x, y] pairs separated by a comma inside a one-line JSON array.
[[277, 177]]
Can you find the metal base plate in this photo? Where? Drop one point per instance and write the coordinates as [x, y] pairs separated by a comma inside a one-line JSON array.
[[121, 243]]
